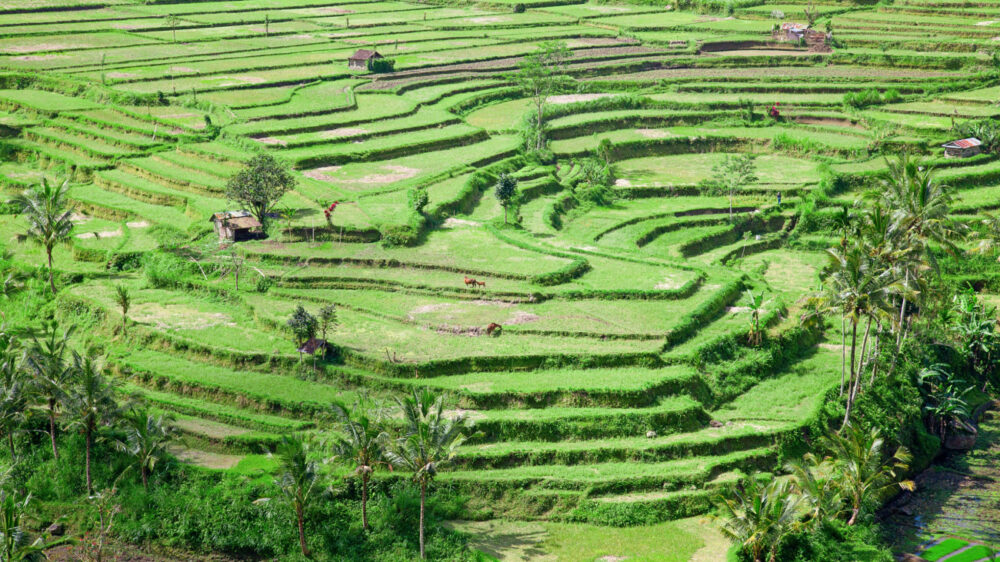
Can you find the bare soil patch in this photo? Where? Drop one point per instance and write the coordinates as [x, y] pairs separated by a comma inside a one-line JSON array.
[[322, 174], [655, 133], [574, 98], [271, 141], [343, 132], [452, 222], [396, 173]]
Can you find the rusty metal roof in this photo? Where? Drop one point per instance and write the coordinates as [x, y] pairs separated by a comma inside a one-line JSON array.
[[964, 143], [312, 346]]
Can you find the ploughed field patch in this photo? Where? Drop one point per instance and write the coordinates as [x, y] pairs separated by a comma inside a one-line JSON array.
[[621, 386]]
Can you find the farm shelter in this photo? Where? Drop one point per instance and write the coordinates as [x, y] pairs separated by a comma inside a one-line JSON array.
[[314, 346], [236, 226], [790, 31], [361, 58], [964, 148]]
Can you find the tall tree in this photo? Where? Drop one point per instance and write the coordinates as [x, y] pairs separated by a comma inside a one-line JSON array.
[[124, 301], [48, 210], [48, 362], [505, 190], [14, 390], [539, 74], [299, 482], [429, 443], [146, 438], [302, 324], [327, 319], [861, 466], [260, 185], [90, 402], [733, 173], [363, 443], [757, 516]]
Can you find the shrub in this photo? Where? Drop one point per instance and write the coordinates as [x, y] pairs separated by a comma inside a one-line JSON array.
[[380, 66], [518, 8]]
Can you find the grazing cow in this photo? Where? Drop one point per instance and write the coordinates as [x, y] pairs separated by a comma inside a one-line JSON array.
[[480, 283], [494, 328], [469, 282]]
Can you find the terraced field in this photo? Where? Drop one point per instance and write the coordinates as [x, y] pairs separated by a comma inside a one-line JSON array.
[[622, 389]]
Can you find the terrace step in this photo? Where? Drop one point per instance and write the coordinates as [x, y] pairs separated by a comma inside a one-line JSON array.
[[385, 148], [113, 205], [224, 437], [174, 176], [671, 415], [84, 164], [613, 477], [107, 118], [216, 171], [220, 412], [197, 207], [124, 140], [704, 442], [79, 144]]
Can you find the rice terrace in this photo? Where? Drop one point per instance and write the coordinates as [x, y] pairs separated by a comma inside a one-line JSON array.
[[499, 280]]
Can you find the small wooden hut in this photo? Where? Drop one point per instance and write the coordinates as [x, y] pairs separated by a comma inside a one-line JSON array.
[[963, 148], [235, 226], [360, 59]]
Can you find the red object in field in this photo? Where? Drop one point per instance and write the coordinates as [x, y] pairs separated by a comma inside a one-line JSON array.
[[774, 111]]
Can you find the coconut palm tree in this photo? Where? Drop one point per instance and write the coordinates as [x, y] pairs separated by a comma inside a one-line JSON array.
[[51, 371], [14, 389], [861, 469], [755, 302], [300, 481], [757, 516], [124, 301], [90, 402], [363, 444], [48, 212], [859, 286], [813, 479], [429, 443], [146, 438]]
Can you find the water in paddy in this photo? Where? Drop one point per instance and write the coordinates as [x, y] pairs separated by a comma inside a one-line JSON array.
[[959, 496]]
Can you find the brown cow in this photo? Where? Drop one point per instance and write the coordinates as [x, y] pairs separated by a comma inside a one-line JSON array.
[[494, 328]]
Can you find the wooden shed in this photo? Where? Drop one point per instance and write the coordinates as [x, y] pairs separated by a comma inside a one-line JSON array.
[[359, 60], [237, 225], [964, 148]]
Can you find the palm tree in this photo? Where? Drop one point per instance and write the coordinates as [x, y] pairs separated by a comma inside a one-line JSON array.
[[90, 402], [363, 444], [15, 543], [813, 479], [124, 301], [14, 392], [429, 443], [757, 516], [51, 371], [48, 212], [147, 438], [861, 470], [859, 286], [299, 482], [755, 302]]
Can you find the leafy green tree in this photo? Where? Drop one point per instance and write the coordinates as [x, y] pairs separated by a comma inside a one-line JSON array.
[[260, 185], [428, 444], [505, 190], [327, 319], [303, 325], [861, 467], [15, 542], [300, 481], [124, 301], [539, 74], [757, 516], [417, 198], [52, 373], [146, 438], [733, 173], [90, 402], [47, 210], [363, 443]]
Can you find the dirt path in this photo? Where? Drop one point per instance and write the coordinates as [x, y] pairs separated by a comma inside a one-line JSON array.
[[716, 545]]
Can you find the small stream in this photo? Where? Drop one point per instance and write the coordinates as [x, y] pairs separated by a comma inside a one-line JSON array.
[[958, 496]]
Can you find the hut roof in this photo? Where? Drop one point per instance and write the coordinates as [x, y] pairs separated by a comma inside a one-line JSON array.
[[312, 346], [964, 143], [365, 54], [236, 219]]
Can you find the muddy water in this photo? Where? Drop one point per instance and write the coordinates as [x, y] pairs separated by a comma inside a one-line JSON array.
[[959, 496]]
